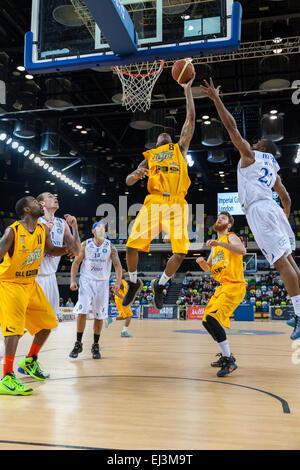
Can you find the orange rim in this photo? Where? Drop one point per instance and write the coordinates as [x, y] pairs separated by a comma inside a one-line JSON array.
[[162, 62]]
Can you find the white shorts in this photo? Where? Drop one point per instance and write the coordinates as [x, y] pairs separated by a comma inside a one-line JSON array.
[[271, 230], [50, 288], [93, 296]]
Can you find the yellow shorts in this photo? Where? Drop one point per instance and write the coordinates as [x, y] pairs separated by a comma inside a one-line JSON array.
[[24, 306], [124, 312], [224, 302], [158, 213]]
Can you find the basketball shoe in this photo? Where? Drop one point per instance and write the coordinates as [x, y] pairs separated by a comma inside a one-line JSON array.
[[95, 351], [228, 366], [158, 291], [133, 289], [219, 362], [76, 350], [32, 367], [296, 332], [10, 385]]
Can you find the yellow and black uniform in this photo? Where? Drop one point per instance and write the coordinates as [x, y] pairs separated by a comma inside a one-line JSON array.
[[124, 312], [23, 303], [165, 208], [227, 268]]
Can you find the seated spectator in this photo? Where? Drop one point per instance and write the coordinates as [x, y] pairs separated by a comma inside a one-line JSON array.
[[69, 303]]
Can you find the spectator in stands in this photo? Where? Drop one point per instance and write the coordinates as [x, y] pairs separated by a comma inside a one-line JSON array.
[[69, 303]]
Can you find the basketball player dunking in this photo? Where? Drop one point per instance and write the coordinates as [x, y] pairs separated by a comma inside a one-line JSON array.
[[96, 257], [23, 302], [257, 177], [226, 265], [165, 208]]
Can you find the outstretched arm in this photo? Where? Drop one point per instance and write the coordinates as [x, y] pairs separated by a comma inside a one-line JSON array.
[[139, 174], [284, 196], [189, 125], [247, 155]]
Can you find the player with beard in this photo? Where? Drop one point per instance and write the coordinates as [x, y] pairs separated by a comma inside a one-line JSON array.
[[165, 208], [226, 265], [23, 302]]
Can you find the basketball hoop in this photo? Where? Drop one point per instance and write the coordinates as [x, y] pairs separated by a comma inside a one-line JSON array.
[[138, 81]]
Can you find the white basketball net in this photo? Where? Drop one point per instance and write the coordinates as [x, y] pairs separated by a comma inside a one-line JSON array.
[[138, 81]]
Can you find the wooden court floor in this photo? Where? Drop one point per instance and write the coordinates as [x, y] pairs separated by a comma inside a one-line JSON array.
[[158, 391]]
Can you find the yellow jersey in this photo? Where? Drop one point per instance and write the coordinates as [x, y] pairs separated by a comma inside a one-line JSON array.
[[226, 265], [168, 171], [23, 266]]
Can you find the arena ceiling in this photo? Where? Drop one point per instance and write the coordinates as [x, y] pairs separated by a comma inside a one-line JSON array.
[[111, 148]]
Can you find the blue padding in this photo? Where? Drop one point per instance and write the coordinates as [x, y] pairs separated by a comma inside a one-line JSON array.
[[148, 55], [116, 25]]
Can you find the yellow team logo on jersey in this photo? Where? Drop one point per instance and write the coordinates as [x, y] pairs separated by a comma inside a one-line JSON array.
[[162, 156], [35, 255]]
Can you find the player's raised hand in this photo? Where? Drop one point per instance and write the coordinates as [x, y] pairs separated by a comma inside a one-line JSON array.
[[140, 173], [71, 220], [188, 84], [210, 90]]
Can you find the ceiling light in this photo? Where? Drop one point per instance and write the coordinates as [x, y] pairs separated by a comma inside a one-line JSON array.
[[3, 136], [226, 188], [21, 149], [83, 132], [75, 194], [15, 145], [21, 68], [26, 153], [78, 127], [207, 123], [273, 111], [277, 40], [205, 117], [297, 159], [9, 140], [27, 191], [50, 169], [28, 76], [46, 166], [32, 155], [278, 50], [273, 117], [37, 160]]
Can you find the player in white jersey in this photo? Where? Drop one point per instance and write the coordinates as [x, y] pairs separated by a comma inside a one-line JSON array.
[[60, 234], [257, 177], [96, 257]]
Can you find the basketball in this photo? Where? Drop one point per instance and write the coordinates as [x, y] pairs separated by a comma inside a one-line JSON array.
[[183, 70]]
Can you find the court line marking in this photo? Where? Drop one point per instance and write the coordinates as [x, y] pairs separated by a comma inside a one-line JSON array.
[[284, 403], [41, 444]]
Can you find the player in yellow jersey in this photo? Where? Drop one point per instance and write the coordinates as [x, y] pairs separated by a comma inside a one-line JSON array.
[[125, 313], [23, 303], [225, 262], [165, 208]]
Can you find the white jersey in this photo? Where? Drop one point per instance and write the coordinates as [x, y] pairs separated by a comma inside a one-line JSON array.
[[50, 263], [256, 181], [97, 262]]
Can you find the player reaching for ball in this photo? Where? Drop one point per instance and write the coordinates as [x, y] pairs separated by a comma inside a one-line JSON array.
[[257, 174], [165, 208]]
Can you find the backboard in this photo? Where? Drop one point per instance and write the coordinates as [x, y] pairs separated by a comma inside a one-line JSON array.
[[69, 34]]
